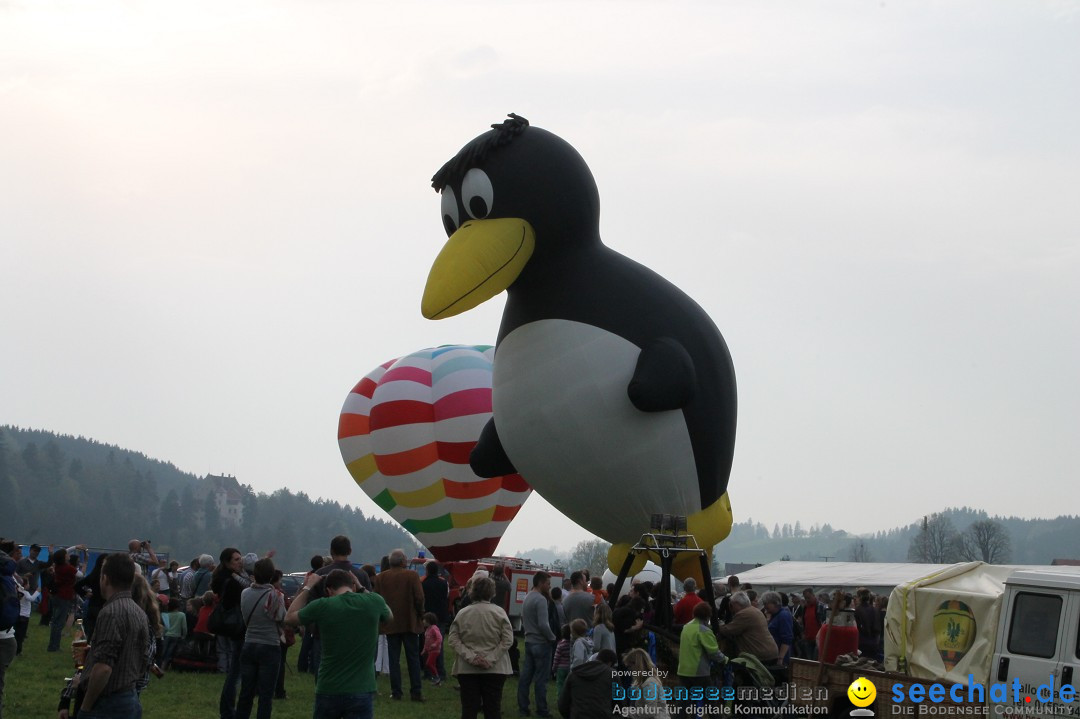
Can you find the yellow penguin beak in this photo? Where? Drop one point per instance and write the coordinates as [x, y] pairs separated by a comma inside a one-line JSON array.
[[479, 261]]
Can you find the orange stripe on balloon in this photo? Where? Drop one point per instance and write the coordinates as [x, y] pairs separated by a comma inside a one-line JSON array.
[[471, 490], [352, 425], [504, 514], [413, 460]]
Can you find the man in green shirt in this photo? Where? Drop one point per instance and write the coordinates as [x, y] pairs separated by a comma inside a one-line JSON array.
[[348, 619]]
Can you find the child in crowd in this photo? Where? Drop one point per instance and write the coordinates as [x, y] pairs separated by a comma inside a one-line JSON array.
[[596, 586], [176, 622], [561, 663], [432, 647], [204, 638], [645, 677], [26, 601], [582, 647], [202, 624]]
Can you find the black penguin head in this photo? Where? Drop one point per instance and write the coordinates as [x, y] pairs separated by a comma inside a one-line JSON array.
[[514, 196]]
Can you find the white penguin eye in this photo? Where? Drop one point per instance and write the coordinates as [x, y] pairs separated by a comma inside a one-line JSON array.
[[449, 210], [478, 194]]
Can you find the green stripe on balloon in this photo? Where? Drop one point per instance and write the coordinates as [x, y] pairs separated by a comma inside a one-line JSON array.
[[385, 500], [436, 524]]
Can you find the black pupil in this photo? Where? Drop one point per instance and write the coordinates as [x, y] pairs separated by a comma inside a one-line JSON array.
[[478, 207], [448, 223]]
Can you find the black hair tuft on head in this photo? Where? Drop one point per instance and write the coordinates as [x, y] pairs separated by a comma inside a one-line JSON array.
[[475, 152]]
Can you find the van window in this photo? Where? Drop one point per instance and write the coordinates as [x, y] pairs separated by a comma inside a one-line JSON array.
[[1034, 627]]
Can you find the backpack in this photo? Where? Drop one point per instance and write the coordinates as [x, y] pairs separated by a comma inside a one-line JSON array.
[[9, 596]]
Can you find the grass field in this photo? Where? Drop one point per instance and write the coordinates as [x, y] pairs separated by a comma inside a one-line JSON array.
[[33, 683]]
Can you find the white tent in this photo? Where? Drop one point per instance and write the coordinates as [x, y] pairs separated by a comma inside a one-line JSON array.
[[878, 577]]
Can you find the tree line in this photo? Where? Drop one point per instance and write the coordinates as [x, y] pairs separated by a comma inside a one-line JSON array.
[[952, 535], [65, 490]]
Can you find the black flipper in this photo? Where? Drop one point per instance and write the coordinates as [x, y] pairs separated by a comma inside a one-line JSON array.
[[488, 458], [664, 378]]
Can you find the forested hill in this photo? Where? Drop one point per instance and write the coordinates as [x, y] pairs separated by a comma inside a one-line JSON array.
[[68, 490], [951, 535], [955, 534]]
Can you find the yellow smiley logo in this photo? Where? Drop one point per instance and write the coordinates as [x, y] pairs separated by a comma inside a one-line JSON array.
[[862, 692]]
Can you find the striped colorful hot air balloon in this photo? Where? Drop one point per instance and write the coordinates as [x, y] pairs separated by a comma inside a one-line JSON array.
[[406, 432]]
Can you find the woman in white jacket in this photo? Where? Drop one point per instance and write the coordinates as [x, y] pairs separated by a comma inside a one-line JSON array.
[[480, 637]]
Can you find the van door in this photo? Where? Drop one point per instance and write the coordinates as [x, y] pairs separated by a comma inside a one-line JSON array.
[[1070, 659], [1038, 629]]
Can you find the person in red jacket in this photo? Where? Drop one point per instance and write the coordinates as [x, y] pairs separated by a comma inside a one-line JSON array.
[[684, 608], [811, 623], [62, 596]]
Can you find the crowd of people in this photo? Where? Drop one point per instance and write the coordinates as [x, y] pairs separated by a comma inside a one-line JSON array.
[[588, 644], [143, 615]]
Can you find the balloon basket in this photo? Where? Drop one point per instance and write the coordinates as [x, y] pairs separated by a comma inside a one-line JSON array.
[[666, 542]]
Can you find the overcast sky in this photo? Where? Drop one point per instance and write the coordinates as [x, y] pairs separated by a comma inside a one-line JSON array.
[[216, 217]]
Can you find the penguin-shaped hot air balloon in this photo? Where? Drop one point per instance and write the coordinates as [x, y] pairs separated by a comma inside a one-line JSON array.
[[613, 392]]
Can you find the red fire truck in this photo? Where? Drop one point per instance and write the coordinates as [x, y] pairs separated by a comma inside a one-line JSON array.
[[520, 572]]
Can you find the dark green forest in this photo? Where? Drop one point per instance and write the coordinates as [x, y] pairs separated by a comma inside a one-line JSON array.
[[1028, 541], [57, 489]]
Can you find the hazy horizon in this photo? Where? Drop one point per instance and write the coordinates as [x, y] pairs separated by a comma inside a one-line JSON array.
[[215, 219]]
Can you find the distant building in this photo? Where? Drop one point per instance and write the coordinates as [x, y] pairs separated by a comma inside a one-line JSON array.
[[738, 568], [228, 498], [1065, 563]]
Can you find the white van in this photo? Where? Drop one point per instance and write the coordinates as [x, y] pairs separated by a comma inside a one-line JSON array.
[[1038, 643], [973, 639]]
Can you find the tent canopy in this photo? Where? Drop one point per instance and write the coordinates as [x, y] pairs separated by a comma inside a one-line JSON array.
[[878, 577]]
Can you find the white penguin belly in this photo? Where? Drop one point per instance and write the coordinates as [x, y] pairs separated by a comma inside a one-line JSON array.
[[565, 420]]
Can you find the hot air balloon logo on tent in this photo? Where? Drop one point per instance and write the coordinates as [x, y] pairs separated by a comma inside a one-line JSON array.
[[954, 631], [405, 433]]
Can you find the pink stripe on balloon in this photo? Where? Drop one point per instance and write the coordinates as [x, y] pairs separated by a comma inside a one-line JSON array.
[[464, 403], [407, 374]]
